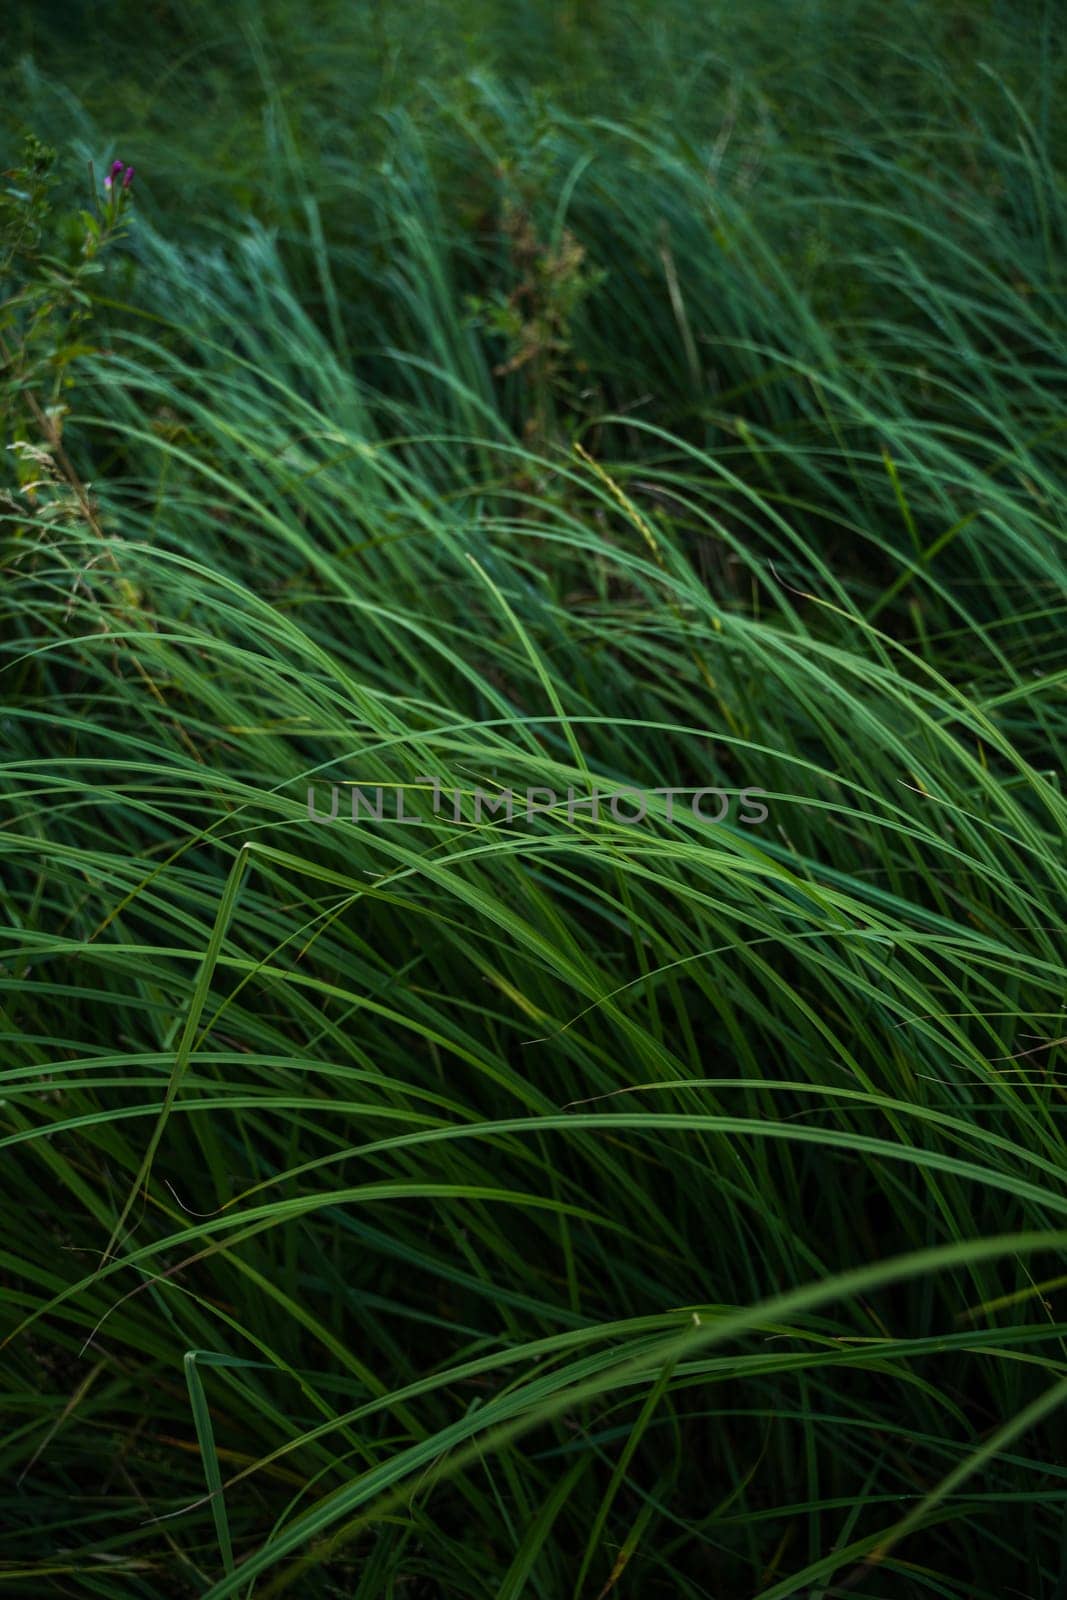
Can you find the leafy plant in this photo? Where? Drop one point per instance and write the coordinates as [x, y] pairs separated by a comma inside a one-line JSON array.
[[548, 281], [47, 266]]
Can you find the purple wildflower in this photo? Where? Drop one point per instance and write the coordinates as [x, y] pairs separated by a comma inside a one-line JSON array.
[[127, 178], [116, 168]]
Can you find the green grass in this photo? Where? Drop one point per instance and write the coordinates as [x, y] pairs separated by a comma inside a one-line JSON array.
[[550, 1208]]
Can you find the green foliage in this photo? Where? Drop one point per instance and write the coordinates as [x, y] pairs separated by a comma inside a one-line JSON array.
[[493, 1206], [48, 264]]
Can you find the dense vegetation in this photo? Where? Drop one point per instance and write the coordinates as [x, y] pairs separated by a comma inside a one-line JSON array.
[[567, 1203]]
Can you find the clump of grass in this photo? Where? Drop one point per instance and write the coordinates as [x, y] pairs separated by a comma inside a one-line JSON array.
[[539, 1205]]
